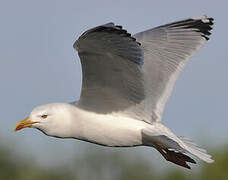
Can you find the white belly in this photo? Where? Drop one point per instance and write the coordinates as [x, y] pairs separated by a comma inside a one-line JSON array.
[[110, 130]]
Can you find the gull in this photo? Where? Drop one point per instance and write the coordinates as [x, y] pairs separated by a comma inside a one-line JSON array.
[[126, 82]]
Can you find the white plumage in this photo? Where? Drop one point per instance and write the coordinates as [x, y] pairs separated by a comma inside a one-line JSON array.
[[126, 83]]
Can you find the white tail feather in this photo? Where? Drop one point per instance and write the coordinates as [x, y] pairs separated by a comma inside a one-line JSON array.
[[195, 150]]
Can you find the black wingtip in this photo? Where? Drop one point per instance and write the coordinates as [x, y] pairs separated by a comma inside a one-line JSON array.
[[202, 24]]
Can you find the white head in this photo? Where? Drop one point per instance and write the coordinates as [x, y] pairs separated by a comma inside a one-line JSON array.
[[52, 119]]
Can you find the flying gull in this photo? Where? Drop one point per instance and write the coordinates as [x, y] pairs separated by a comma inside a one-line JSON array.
[[127, 81]]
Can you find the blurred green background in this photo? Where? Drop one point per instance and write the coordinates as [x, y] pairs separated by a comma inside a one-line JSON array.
[[38, 65], [105, 165]]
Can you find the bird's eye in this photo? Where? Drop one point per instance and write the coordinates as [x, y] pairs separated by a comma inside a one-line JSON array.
[[44, 116]]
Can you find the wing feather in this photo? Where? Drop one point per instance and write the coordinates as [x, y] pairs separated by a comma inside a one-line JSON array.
[[167, 48], [134, 76], [111, 62]]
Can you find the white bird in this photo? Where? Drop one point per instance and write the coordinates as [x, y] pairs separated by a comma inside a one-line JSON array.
[[127, 81]]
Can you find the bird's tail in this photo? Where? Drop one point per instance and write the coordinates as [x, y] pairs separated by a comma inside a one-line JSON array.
[[173, 148], [195, 150]]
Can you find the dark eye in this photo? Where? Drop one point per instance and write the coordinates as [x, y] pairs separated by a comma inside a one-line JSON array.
[[44, 116]]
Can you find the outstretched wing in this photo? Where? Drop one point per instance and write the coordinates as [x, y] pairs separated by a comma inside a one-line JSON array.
[[166, 50], [117, 80], [112, 70]]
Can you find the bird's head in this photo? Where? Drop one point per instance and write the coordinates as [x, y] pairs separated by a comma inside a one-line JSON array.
[[51, 119]]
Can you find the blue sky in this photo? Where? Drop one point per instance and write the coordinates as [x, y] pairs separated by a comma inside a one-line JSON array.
[[38, 65]]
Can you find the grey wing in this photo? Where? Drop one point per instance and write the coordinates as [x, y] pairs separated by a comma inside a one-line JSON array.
[[112, 70], [166, 50]]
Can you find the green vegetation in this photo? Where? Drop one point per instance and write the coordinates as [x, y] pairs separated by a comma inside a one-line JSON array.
[[106, 166]]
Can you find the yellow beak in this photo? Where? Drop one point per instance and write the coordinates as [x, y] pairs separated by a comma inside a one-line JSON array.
[[23, 124]]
